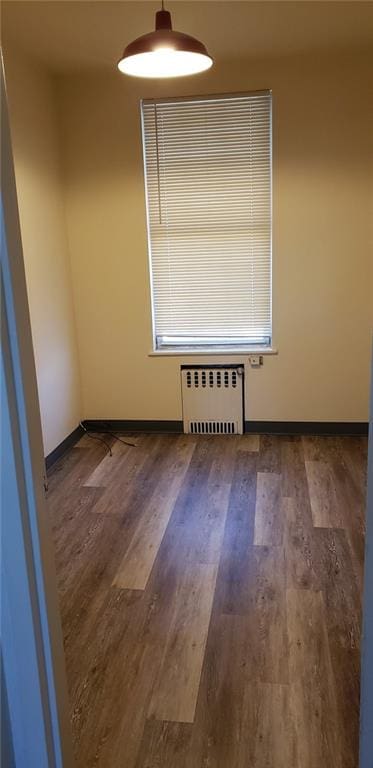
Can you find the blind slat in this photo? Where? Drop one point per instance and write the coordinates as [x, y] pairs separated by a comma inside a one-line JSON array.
[[208, 183]]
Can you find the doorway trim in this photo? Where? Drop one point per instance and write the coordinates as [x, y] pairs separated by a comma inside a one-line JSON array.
[[32, 650]]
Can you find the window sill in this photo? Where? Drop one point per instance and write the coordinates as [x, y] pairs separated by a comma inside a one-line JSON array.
[[210, 352]]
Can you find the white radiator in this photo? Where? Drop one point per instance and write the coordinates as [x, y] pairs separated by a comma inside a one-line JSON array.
[[212, 398]]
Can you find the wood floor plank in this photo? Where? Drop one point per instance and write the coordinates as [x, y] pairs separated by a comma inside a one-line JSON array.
[[294, 483], [267, 614], [351, 495], [74, 528], [268, 527], [333, 562], [106, 470], [312, 689], [138, 561], [75, 466], [318, 448], [89, 579], [323, 496], [198, 538], [262, 600], [293, 475], [275, 738], [120, 692], [301, 571], [69, 511], [164, 745], [223, 455], [224, 724], [141, 666], [124, 472], [231, 595], [350, 485], [136, 565], [269, 459], [193, 487], [176, 689], [239, 721], [342, 600], [355, 459], [97, 684], [201, 541], [249, 443]]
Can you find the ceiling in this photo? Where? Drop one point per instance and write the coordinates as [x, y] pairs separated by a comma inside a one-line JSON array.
[[86, 35]]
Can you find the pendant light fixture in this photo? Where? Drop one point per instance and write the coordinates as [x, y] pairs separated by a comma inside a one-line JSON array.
[[164, 52]]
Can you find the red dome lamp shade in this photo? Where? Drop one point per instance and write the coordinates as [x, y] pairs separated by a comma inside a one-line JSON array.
[[164, 52]]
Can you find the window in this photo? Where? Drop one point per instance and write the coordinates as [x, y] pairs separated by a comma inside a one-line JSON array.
[[208, 186]]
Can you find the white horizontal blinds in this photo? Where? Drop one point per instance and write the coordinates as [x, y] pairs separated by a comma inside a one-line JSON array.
[[208, 173]]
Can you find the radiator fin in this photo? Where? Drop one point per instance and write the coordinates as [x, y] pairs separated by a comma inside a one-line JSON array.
[[213, 427]]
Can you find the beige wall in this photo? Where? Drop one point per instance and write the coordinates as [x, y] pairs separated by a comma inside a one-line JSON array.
[[322, 237], [322, 254], [34, 129]]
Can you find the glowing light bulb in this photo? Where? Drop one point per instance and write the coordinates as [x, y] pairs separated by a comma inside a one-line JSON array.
[[164, 53]]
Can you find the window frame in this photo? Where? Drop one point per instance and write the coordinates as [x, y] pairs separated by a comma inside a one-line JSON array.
[[175, 350]]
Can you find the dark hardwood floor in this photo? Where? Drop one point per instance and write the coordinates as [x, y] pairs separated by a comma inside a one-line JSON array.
[[210, 592]]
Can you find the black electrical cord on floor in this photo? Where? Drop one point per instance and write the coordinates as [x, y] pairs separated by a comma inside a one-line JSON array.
[[94, 437], [106, 432], [133, 445], [113, 434]]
